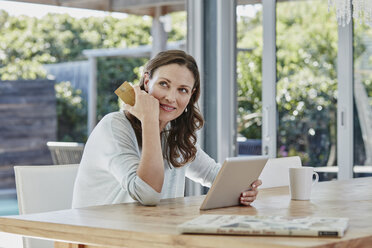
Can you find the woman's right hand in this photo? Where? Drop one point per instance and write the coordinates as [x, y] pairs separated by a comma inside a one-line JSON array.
[[146, 107]]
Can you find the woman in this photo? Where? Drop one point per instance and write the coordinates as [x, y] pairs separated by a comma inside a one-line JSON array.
[[144, 153]]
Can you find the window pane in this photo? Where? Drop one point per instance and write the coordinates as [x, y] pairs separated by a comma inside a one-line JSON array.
[[363, 101], [307, 82], [249, 78]]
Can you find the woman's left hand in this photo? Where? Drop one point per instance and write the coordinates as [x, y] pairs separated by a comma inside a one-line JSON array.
[[247, 197]]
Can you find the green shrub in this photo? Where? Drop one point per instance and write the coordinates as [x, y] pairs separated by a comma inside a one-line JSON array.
[[71, 113]]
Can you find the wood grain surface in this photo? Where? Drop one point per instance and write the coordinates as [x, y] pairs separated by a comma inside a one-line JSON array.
[[133, 225]]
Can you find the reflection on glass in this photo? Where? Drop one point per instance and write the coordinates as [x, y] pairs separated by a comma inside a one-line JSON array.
[[307, 81], [362, 103], [249, 78]]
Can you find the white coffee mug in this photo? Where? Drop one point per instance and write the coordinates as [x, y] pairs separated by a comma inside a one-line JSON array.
[[301, 181]]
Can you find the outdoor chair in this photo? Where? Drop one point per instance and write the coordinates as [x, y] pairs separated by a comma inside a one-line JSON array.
[[66, 152], [249, 147], [42, 189], [276, 171]]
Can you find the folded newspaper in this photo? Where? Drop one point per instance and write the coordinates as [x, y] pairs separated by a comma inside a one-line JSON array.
[[265, 225]]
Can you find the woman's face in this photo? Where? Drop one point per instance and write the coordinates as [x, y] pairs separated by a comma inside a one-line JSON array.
[[173, 86]]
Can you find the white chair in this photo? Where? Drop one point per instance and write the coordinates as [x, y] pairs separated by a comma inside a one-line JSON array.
[[43, 189], [9, 240], [276, 171]]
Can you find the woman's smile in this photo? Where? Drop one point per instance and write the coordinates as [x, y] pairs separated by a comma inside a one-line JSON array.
[[167, 108]]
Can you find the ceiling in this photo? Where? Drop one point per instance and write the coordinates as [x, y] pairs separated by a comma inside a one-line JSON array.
[[137, 7]]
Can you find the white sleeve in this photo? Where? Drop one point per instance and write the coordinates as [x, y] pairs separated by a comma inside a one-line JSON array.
[[203, 169], [124, 162]]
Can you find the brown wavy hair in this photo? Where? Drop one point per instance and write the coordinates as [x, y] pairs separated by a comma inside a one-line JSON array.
[[181, 135]]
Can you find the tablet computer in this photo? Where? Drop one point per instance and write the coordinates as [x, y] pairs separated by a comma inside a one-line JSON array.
[[235, 176]]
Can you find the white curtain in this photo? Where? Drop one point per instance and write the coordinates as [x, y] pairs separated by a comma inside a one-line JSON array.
[[358, 9]]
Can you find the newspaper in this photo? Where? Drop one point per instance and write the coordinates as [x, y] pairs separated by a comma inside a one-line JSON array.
[[265, 225]]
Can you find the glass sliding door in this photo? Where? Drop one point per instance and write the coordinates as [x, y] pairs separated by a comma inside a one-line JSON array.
[[306, 41], [249, 78], [362, 100]]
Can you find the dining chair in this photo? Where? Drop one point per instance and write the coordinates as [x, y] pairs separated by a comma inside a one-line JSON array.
[[276, 171], [44, 188], [9, 240]]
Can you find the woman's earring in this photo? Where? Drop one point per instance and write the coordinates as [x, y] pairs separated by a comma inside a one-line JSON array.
[[186, 110]]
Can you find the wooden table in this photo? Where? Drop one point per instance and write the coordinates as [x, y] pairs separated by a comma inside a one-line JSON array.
[[132, 225]]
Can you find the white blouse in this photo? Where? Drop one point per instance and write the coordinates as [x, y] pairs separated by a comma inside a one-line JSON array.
[[108, 169]]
